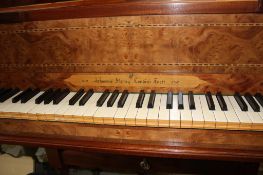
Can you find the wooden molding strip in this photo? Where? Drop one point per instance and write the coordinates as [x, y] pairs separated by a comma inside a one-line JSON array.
[[86, 9], [260, 5], [134, 67], [75, 28]]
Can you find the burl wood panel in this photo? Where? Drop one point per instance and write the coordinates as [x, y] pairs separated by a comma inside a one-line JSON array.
[[160, 142], [148, 40], [216, 52]]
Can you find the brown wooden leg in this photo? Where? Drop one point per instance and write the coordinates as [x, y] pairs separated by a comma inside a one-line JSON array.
[[55, 161]]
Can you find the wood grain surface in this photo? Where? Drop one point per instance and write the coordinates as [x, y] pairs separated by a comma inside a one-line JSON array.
[[152, 39], [213, 52], [153, 142], [93, 8]]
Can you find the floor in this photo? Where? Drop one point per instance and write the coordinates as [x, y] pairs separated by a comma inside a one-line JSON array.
[[16, 166]]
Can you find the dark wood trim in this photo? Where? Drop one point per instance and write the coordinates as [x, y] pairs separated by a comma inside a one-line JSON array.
[[260, 5], [54, 158], [13, 3], [136, 149], [138, 141], [84, 9]]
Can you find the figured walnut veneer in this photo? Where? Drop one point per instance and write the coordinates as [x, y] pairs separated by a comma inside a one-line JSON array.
[[152, 39], [216, 52]]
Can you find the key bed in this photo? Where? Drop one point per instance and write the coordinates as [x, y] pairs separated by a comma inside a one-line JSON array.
[[175, 110]]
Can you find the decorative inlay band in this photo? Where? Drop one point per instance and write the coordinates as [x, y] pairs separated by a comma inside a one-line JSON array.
[[132, 64], [133, 26]]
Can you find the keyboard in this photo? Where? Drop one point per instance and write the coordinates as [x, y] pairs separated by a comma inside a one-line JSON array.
[[175, 110]]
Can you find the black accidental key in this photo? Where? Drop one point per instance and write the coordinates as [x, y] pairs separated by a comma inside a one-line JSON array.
[[86, 97], [123, 98], [169, 100], [259, 98], [191, 100], [5, 91], [76, 97], [19, 96], [112, 98], [58, 98], [51, 96], [103, 98], [151, 99], [221, 101], [43, 96], [180, 101], [252, 102], [240, 102], [140, 99], [29, 95], [1, 90], [8, 95], [210, 101]]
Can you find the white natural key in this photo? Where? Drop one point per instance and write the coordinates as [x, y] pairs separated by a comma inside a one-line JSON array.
[[232, 119], [18, 110], [164, 114], [132, 112], [26, 107], [152, 117], [175, 116], [208, 114], [197, 113], [221, 121], [245, 122], [5, 105], [91, 108], [107, 113], [101, 112], [61, 108], [142, 112], [186, 114], [74, 112], [119, 117], [261, 108], [257, 122]]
